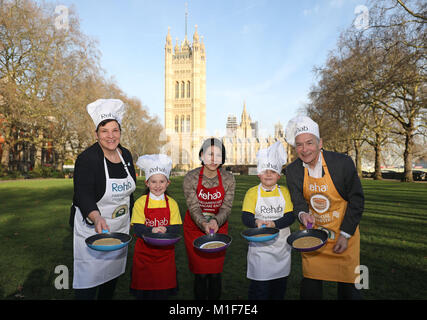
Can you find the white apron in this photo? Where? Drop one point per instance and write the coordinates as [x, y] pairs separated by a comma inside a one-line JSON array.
[[91, 267], [270, 259]]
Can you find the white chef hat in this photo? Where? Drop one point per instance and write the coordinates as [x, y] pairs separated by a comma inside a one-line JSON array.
[[103, 109], [299, 125], [155, 163], [272, 158]]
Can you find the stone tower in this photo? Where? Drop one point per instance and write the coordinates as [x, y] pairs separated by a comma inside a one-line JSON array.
[[185, 99]]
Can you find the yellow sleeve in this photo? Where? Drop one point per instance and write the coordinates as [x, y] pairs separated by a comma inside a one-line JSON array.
[[288, 202], [249, 202], [138, 215], [175, 217]]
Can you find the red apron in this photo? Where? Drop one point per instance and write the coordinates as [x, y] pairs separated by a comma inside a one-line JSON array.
[[210, 200], [154, 267]]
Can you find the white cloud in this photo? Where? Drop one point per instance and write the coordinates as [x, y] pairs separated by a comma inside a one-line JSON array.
[[311, 11], [336, 3]]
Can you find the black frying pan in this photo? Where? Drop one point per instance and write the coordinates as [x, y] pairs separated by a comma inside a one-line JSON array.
[[161, 239], [252, 234], [202, 241], [123, 237], [317, 233]]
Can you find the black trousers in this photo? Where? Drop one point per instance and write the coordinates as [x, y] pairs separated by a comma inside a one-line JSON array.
[[207, 286], [268, 290], [312, 289], [105, 291]]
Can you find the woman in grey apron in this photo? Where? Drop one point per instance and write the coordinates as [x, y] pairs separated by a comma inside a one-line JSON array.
[[104, 181]]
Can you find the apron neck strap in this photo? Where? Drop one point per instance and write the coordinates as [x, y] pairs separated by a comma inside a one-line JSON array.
[[199, 184]]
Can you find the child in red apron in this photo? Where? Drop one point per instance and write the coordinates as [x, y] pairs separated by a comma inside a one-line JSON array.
[[154, 268], [209, 206]]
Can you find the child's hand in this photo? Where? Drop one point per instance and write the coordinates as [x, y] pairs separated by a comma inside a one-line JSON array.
[[211, 225], [269, 224], [159, 230]]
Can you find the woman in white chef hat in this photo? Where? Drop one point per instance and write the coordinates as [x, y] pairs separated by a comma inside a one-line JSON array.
[[104, 182], [154, 268], [326, 192], [269, 204]]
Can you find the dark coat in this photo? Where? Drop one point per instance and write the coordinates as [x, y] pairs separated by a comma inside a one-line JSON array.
[[344, 176], [89, 179]]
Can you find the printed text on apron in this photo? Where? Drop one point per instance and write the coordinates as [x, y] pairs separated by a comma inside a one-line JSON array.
[[92, 268], [210, 201], [271, 259], [328, 209], [154, 267]]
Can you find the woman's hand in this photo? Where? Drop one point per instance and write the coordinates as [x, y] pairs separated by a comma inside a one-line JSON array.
[[159, 230], [98, 221]]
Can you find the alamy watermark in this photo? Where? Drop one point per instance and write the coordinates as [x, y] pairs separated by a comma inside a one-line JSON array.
[[362, 280], [61, 21], [62, 280], [362, 19]]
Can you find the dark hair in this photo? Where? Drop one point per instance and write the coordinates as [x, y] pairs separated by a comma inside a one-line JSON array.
[[212, 142], [104, 122]]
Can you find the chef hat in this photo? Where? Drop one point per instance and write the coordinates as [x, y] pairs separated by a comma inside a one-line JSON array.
[[299, 125], [155, 163], [272, 158], [103, 109]]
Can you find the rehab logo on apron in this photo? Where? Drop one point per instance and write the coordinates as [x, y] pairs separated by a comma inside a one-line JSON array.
[[328, 209], [92, 268], [271, 259], [210, 201]]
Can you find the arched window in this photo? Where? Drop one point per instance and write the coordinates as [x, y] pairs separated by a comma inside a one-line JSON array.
[[188, 124], [188, 89], [176, 123], [176, 90], [182, 123], [182, 89]]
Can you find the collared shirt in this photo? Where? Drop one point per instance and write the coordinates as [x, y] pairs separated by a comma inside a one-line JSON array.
[[315, 172], [154, 197]]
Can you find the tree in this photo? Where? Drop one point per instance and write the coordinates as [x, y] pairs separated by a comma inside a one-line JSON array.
[[48, 75]]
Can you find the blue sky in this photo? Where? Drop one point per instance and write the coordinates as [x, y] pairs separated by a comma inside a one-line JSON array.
[[259, 51]]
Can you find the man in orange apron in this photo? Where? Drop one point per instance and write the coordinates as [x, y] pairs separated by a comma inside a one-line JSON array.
[[326, 191]]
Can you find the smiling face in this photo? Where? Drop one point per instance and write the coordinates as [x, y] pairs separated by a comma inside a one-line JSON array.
[[308, 148], [269, 178], [157, 183], [109, 135]]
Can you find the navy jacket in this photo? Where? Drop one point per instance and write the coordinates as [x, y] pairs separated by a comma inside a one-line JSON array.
[[89, 178]]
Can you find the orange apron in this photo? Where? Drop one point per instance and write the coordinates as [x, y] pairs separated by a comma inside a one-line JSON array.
[[328, 208]]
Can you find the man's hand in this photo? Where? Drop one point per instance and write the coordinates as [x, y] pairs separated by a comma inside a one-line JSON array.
[[341, 244], [307, 218]]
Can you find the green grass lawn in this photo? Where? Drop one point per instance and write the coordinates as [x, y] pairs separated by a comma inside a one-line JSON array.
[[35, 238]]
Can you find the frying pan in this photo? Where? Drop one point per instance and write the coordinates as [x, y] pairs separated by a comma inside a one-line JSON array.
[[200, 242], [317, 233], [250, 234], [161, 239], [123, 237]]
